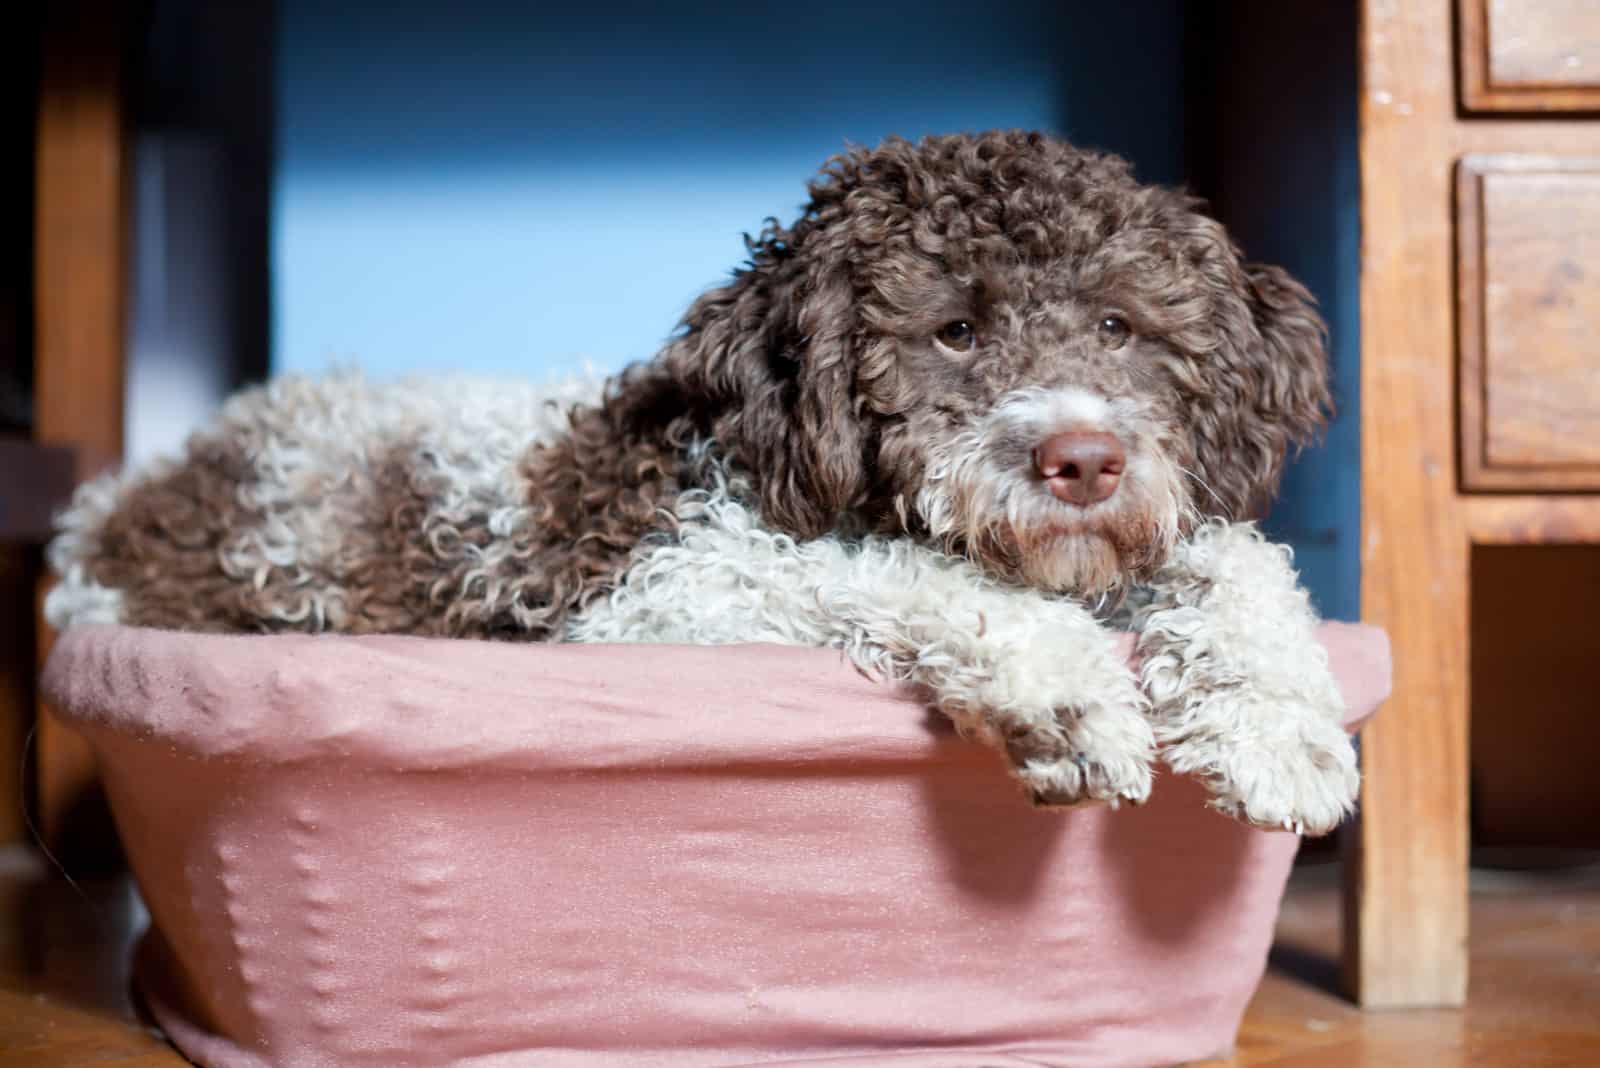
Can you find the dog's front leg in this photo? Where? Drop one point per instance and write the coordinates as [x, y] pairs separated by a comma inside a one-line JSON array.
[[1035, 676], [1240, 687]]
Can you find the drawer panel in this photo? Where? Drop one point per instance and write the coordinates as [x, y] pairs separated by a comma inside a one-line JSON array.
[[1528, 300], [1530, 55]]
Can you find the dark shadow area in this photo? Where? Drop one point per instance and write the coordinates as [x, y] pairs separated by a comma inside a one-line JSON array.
[[208, 75], [19, 77], [994, 846], [72, 939], [1307, 941], [1311, 967], [1189, 863], [83, 841], [199, 319], [1123, 83], [1271, 142], [1535, 707], [622, 84]]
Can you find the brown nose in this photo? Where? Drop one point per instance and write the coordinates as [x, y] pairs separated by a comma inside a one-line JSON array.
[[1079, 467]]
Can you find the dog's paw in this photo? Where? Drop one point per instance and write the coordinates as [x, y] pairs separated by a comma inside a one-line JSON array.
[[1095, 752], [1290, 770]]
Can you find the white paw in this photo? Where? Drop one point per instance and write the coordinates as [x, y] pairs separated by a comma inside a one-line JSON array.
[[1096, 751], [1284, 768]]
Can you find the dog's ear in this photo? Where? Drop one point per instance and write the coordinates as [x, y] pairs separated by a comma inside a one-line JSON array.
[[1296, 341], [772, 354], [1269, 389]]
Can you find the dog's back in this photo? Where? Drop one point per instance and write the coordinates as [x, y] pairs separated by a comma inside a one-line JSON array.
[[331, 503]]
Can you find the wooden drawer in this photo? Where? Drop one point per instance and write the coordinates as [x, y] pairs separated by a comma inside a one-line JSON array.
[[1528, 308], [1530, 55]]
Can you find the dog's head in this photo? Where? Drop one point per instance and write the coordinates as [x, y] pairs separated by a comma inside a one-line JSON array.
[[1008, 346]]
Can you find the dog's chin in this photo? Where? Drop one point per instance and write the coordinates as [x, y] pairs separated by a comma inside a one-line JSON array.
[[1084, 562], [1090, 555]]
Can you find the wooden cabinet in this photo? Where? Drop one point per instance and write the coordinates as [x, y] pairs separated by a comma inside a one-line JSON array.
[[1480, 418], [1530, 55], [1528, 309]]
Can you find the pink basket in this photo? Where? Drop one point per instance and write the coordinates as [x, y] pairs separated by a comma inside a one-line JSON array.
[[398, 851]]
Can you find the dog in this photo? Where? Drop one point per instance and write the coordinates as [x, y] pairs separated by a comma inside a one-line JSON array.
[[987, 401]]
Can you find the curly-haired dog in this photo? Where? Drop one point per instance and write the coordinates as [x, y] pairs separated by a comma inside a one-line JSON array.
[[981, 384]]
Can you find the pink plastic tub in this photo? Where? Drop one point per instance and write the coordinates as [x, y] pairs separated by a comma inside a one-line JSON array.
[[396, 851]]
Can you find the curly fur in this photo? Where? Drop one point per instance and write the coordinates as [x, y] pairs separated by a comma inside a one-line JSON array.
[[1221, 682], [332, 504], [806, 460]]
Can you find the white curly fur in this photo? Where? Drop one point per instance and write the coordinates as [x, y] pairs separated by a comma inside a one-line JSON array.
[[1242, 692]]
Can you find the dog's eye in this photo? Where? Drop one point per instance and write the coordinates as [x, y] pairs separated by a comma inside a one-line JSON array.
[[958, 336], [1114, 331]]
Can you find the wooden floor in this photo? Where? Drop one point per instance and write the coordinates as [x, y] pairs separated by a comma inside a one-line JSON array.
[[1535, 984], [64, 974], [1534, 997]]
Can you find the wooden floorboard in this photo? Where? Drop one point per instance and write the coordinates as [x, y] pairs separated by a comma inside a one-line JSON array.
[[1534, 1000]]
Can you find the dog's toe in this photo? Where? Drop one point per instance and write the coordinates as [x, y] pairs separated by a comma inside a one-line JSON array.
[[1085, 776], [1301, 777]]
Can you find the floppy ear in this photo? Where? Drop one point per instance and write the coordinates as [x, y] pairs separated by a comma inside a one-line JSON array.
[[1269, 390], [772, 355], [1296, 341]]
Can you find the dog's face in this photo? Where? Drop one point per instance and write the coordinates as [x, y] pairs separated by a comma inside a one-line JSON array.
[[1007, 346]]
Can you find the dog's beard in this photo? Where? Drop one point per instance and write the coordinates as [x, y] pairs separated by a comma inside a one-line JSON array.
[[1090, 558], [991, 510], [1018, 532]]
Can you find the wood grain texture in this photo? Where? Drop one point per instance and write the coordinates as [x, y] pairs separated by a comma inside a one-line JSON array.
[[1527, 238], [1541, 243], [1535, 948], [1530, 55], [1533, 520], [1407, 853], [79, 270], [1541, 44]]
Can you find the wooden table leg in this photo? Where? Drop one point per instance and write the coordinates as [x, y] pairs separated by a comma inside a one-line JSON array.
[[1406, 858]]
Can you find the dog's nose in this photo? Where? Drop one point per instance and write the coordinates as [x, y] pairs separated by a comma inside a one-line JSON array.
[[1080, 467]]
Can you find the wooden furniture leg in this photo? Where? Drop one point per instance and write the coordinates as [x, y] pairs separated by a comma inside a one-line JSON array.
[[1406, 857], [80, 268]]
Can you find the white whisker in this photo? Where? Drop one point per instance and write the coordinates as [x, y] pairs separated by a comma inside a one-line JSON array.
[[1226, 511]]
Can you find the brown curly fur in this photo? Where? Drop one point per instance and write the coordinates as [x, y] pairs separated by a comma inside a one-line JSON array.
[[814, 372]]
